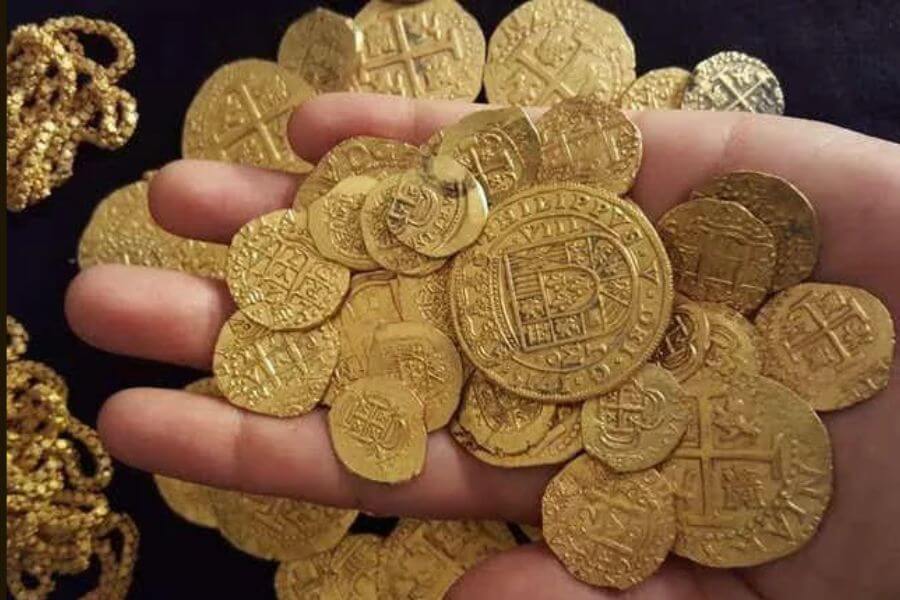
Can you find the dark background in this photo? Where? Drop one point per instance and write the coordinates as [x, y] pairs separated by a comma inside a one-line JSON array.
[[838, 61]]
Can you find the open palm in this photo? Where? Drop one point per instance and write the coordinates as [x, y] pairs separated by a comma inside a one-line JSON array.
[[853, 180]]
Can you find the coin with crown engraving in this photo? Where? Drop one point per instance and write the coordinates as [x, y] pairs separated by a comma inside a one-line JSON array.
[[322, 47], [734, 81], [335, 227]]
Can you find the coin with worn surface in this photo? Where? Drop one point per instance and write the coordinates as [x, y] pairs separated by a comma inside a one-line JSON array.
[[378, 430], [683, 348], [566, 293], [323, 48], [784, 209], [832, 344], [752, 475], [587, 140], [427, 299], [657, 89], [279, 373], [431, 49], [608, 529], [720, 252], [546, 51], [334, 223], [280, 529], [349, 570], [734, 343], [637, 425], [240, 115], [425, 361], [190, 501], [277, 277], [734, 81]]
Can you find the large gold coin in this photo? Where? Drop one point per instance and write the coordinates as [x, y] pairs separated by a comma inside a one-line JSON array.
[[566, 293], [348, 571], [683, 349], [720, 252], [608, 529], [587, 140], [734, 81], [280, 528], [546, 51], [427, 300], [832, 344], [279, 373], [425, 361], [657, 89], [378, 430], [323, 48], [277, 277], [734, 343], [334, 223], [375, 157], [432, 49], [752, 475], [189, 500], [784, 209], [437, 209], [241, 113], [422, 559], [637, 425]]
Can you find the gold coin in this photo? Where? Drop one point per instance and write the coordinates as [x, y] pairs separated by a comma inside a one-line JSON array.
[[323, 48], [566, 293], [734, 343], [683, 349], [279, 373], [720, 252], [832, 344], [378, 430], [546, 51], [657, 89], [784, 209], [501, 147], [277, 277], [432, 49], [437, 209], [363, 155], [586, 140], [734, 81], [425, 361], [188, 500], [334, 223], [427, 300], [383, 245], [637, 425], [280, 529], [752, 475], [349, 570], [241, 113], [608, 529], [422, 559], [205, 387], [500, 421]]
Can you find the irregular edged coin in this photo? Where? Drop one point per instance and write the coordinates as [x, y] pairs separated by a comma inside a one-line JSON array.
[[832, 344], [608, 529], [427, 299], [334, 223], [349, 570], [734, 81], [657, 89], [734, 343], [323, 48], [277, 277], [683, 348], [189, 500]]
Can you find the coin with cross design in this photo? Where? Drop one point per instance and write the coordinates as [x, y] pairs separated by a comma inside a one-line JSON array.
[[734, 81]]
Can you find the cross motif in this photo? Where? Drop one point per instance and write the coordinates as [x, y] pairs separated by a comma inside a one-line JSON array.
[[553, 82], [739, 98], [567, 142], [827, 326], [629, 411], [258, 125]]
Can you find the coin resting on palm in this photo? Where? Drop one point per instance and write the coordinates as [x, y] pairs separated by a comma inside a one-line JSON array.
[[657, 89], [734, 81], [334, 223]]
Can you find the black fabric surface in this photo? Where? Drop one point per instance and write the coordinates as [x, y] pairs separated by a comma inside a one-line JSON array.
[[838, 60]]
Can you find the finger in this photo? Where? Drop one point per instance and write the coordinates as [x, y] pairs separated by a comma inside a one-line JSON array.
[[149, 313], [207, 440]]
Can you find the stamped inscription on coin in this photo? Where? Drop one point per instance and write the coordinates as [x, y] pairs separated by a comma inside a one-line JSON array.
[[734, 343], [427, 299], [731, 81], [657, 89], [683, 349], [349, 570], [323, 48], [334, 223]]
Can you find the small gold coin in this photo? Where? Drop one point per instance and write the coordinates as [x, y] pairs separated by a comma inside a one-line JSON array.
[[566, 293], [277, 277], [190, 501], [734, 81], [280, 528], [382, 245], [437, 209], [427, 300], [587, 140], [734, 343], [334, 223], [784, 209], [683, 349], [378, 430], [637, 425], [657, 89], [720, 252], [349, 570], [240, 115], [431, 49], [279, 373], [832, 344], [752, 475], [608, 529], [425, 361], [546, 51], [323, 48]]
